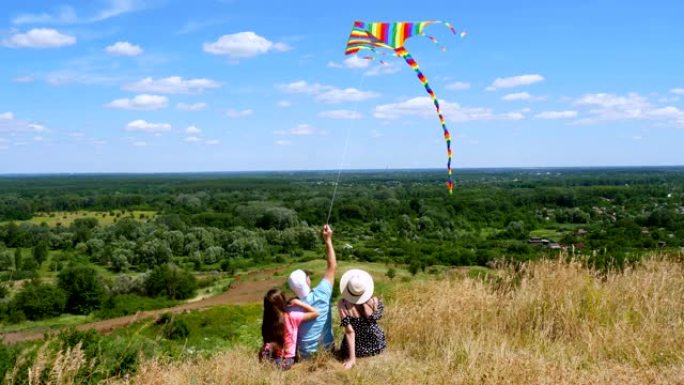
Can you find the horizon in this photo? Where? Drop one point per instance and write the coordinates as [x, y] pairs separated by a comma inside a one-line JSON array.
[[349, 171], [166, 86]]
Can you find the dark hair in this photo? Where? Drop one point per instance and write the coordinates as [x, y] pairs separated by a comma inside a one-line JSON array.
[[273, 324]]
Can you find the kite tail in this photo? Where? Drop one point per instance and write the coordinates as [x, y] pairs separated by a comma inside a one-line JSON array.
[[401, 51]]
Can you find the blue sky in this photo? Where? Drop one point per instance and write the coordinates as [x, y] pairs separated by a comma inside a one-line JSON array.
[[210, 85]]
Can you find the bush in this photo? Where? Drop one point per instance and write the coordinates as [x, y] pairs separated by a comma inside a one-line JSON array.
[[176, 329], [391, 273], [170, 281], [84, 289], [38, 300]]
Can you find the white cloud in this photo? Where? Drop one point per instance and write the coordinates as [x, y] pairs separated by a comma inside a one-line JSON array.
[[302, 87], [116, 8], [610, 107], [326, 94], [10, 124], [424, 108], [284, 103], [192, 130], [517, 96], [553, 115], [340, 114], [232, 113], [302, 130], [384, 68], [191, 106], [172, 85], [515, 81], [23, 79], [605, 106], [283, 142], [192, 139], [212, 142], [64, 15], [67, 15], [458, 86], [335, 95], [39, 38], [140, 102], [515, 115], [124, 48], [142, 125], [243, 45], [353, 62], [677, 91], [299, 130], [376, 134], [637, 137], [140, 144], [632, 101], [38, 139]]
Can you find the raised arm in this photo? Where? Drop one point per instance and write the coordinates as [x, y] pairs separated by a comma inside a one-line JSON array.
[[309, 311], [329, 254]]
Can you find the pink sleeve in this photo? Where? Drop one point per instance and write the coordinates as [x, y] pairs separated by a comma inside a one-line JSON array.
[[296, 318]]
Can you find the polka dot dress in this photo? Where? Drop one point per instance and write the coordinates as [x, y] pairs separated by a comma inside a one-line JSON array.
[[369, 338]]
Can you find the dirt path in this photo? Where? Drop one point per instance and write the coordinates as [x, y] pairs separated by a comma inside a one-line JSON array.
[[249, 289]]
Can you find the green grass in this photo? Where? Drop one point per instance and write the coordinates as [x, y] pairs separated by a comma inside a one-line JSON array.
[[211, 330], [220, 285], [66, 218], [556, 231], [128, 304], [50, 323], [546, 233]]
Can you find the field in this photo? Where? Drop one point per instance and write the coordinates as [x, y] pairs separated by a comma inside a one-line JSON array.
[[66, 218], [544, 322]]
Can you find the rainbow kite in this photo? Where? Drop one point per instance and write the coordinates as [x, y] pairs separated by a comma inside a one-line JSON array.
[[392, 36]]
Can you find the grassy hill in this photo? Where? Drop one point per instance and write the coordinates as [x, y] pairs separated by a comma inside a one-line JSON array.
[[546, 322]]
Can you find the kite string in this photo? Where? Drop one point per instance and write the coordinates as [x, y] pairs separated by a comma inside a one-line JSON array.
[[344, 153]]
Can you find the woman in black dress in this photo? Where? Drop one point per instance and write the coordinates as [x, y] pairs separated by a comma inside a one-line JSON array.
[[359, 315]]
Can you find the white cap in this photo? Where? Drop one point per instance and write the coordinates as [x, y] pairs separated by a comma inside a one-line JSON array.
[[297, 283]]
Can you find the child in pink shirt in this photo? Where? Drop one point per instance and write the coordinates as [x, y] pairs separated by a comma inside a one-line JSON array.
[[279, 327]]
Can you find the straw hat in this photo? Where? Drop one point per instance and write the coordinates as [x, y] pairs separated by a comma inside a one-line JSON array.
[[356, 286]]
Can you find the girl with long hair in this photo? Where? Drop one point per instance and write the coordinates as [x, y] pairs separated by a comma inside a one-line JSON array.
[[279, 328]]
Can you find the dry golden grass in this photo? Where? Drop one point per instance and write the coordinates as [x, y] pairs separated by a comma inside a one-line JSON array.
[[547, 323], [60, 368]]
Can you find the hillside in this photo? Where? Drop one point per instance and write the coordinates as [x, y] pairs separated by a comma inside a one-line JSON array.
[[540, 323]]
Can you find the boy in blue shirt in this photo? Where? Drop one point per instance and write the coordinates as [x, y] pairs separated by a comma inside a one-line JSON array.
[[317, 332]]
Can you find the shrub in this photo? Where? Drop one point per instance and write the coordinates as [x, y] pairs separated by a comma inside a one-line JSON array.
[[391, 273], [170, 281], [176, 329], [84, 289], [38, 300]]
